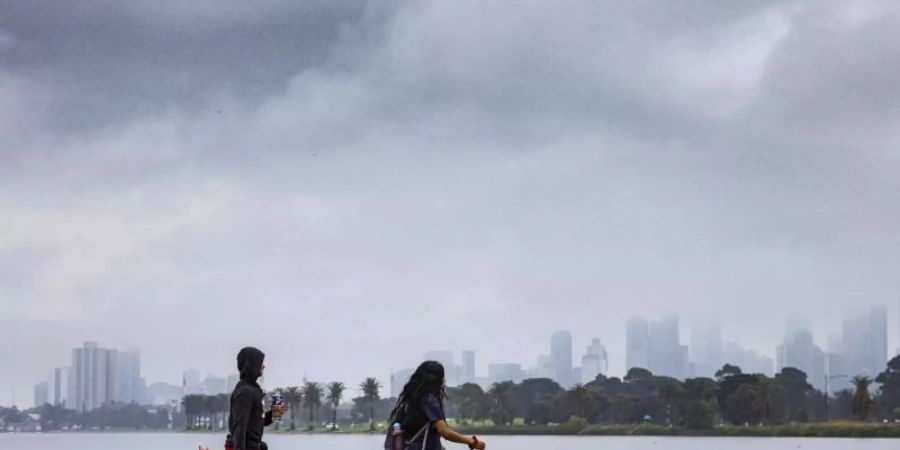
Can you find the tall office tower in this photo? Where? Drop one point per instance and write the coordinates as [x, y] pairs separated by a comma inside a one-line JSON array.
[[637, 344], [561, 356]]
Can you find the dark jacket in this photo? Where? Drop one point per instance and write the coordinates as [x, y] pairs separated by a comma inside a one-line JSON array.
[[246, 422], [247, 419]]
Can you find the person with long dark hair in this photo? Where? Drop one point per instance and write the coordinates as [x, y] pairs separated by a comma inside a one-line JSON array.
[[247, 420], [420, 413]]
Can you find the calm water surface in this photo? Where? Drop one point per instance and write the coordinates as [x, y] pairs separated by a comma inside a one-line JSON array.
[[190, 441]]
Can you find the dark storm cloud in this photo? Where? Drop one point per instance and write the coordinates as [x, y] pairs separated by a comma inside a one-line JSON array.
[[108, 63]]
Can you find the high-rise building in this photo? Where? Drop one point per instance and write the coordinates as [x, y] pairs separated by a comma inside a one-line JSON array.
[[190, 382], [445, 357], [40, 394], [468, 367], [748, 360], [637, 344], [594, 362], [95, 373], [499, 372], [214, 385], [58, 386], [800, 352], [667, 356], [706, 349], [561, 356], [129, 388], [864, 343], [398, 380]]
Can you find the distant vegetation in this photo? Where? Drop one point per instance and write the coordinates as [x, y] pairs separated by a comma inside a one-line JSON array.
[[641, 403]]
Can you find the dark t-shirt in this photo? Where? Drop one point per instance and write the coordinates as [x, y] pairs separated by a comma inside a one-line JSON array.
[[429, 412]]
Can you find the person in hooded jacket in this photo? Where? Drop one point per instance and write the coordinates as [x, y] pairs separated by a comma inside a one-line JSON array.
[[246, 421]]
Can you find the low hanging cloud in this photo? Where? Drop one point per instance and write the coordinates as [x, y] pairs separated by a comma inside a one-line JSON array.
[[346, 178]]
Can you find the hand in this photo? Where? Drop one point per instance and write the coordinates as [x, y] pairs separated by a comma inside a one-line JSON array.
[[476, 444], [277, 411]]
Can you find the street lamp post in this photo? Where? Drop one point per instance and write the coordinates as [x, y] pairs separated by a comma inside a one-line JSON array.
[[827, 393]]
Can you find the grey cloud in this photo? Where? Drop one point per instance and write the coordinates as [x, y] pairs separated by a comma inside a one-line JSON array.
[[604, 158]]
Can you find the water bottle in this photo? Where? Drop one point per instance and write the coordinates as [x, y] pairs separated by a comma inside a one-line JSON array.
[[397, 437]]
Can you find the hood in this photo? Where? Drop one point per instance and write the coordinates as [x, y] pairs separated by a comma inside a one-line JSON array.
[[249, 363]]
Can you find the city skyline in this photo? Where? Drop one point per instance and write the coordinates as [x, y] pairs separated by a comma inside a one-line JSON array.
[[861, 344]]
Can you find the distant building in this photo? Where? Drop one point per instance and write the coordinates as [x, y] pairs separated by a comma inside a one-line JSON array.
[[667, 356], [451, 372], [95, 374], [594, 362], [468, 367], [864, 346], [748, 360], [707, 349], [637, 344], [543, 368], [399, 380], [58, 386], [190, 382], [561, 357], [214, 385], [499, 372], [40, 394], [800, 352], [129, 387], [164, 394]]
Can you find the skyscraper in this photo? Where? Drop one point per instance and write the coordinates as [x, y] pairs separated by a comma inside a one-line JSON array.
[[445, 357], [561, 356], [706, 349], [190, 382], [40, 394], [468, 367], [95, 375], [800, 352], [637, 345], [864, 345], [58, 386], [594, 362], [500, 372], [667, 355]]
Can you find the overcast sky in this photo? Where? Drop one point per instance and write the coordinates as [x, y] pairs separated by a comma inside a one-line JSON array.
[[349, 184]]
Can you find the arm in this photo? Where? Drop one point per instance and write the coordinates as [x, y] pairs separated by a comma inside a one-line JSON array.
[[452, 436], [240, 409]]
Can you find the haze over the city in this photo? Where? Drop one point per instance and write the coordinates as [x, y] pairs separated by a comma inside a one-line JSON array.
[[348, 185]]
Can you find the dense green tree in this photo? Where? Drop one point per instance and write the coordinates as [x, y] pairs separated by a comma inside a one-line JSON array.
[[534, 399], [672, 393], [503, 407], [889, 400], [796, 390], [472, 403], [580, 401]]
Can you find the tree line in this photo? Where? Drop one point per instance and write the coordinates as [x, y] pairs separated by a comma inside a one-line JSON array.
[[732, 397]]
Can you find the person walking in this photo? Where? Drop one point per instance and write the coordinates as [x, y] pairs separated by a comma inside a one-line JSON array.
[[247, 420], [419, 414]]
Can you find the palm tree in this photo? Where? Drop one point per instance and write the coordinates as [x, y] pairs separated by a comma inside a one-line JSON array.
[[293, 397], [370, 387], [312, 398], [862, 401], [335, 393]]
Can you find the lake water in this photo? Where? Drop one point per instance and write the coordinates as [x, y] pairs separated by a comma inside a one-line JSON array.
[[190, 441]]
